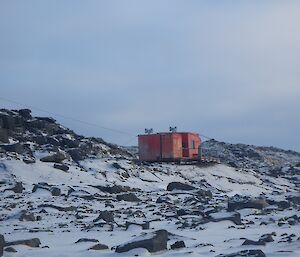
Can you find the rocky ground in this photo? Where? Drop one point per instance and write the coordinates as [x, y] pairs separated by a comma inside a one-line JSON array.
[[66, 195]]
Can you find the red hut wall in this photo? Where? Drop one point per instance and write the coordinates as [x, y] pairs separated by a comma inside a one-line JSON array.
[[168, 146], [190, 145]]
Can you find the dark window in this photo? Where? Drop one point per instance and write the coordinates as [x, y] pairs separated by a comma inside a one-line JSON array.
[[193, 144]]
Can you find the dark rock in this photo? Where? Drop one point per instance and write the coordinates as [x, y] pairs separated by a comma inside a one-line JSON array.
[[57, 157], [34, 242], [81, 240], [10, 250], [235, 217], [117, 165], [179, 186], [46, 119], [69, 143], [245, 253], [204, 194], [145, 225], [99, 247], [115, 189], [163, 199], [55, 191], [3, 135], [76, 154], [267, 238], [157, 242], [60, 208], [182, 212], [25, 113], [16, 148], [107, 216], [8, 122], [62, 167], [41, 185], [27, 216], [251, 242], [28, 160], [294, 199], [2, 244], [130, 197], [177, 245], [237, 203], [18, 188]]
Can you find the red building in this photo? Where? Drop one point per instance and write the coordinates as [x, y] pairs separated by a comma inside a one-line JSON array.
[[169, 146]]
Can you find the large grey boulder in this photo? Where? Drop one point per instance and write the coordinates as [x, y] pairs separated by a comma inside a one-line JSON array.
[[130, 197], [27, 216], [62, 167], [2, 244], [57, 157], [16, 148], [179, 186], [107, 216], [153, 242], [25, 113], [245, 253], [18, 188], [3, 135], [34, 242], [238, 202]]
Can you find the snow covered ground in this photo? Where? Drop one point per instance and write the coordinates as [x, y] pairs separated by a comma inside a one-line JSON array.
[[59, 187], [59, 230]]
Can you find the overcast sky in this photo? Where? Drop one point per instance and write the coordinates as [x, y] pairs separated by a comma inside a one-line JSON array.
[[226, 69]]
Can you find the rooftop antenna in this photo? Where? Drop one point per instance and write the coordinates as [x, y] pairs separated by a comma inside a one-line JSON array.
[[148, 131], [173, 129]]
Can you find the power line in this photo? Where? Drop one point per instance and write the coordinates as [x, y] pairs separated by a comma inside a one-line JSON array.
[[80, 121], [67, 117]]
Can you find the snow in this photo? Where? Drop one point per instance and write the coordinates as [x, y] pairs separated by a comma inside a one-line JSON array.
[[62, 229]]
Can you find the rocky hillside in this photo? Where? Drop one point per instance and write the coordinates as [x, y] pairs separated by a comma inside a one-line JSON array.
[[66, 195]]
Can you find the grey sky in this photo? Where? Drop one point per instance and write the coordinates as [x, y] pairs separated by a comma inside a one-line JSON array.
[[227, 69]]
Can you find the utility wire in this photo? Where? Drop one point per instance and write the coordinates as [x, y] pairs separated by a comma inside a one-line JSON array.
[[67, 117], [80, 121]]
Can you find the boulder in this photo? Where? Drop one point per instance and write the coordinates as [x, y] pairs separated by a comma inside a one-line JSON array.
[[3, 135], [62, 167], [115, 189], [55, 191], [237, 203], [153, 242], [235, 217], [179, 186], [204, 194], [83, 240], [130, 197], [177, 245], [34, 242], [2, 244], [16, 148], [10, 250], [18, 188], [8, 122], [107, 216], [99, 247], [27, 216], [163, 199], [28, 160], [252, 242], [245, 253], [25, 113], [76, 154], [57, 157], [145, 225], [294, 199]]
